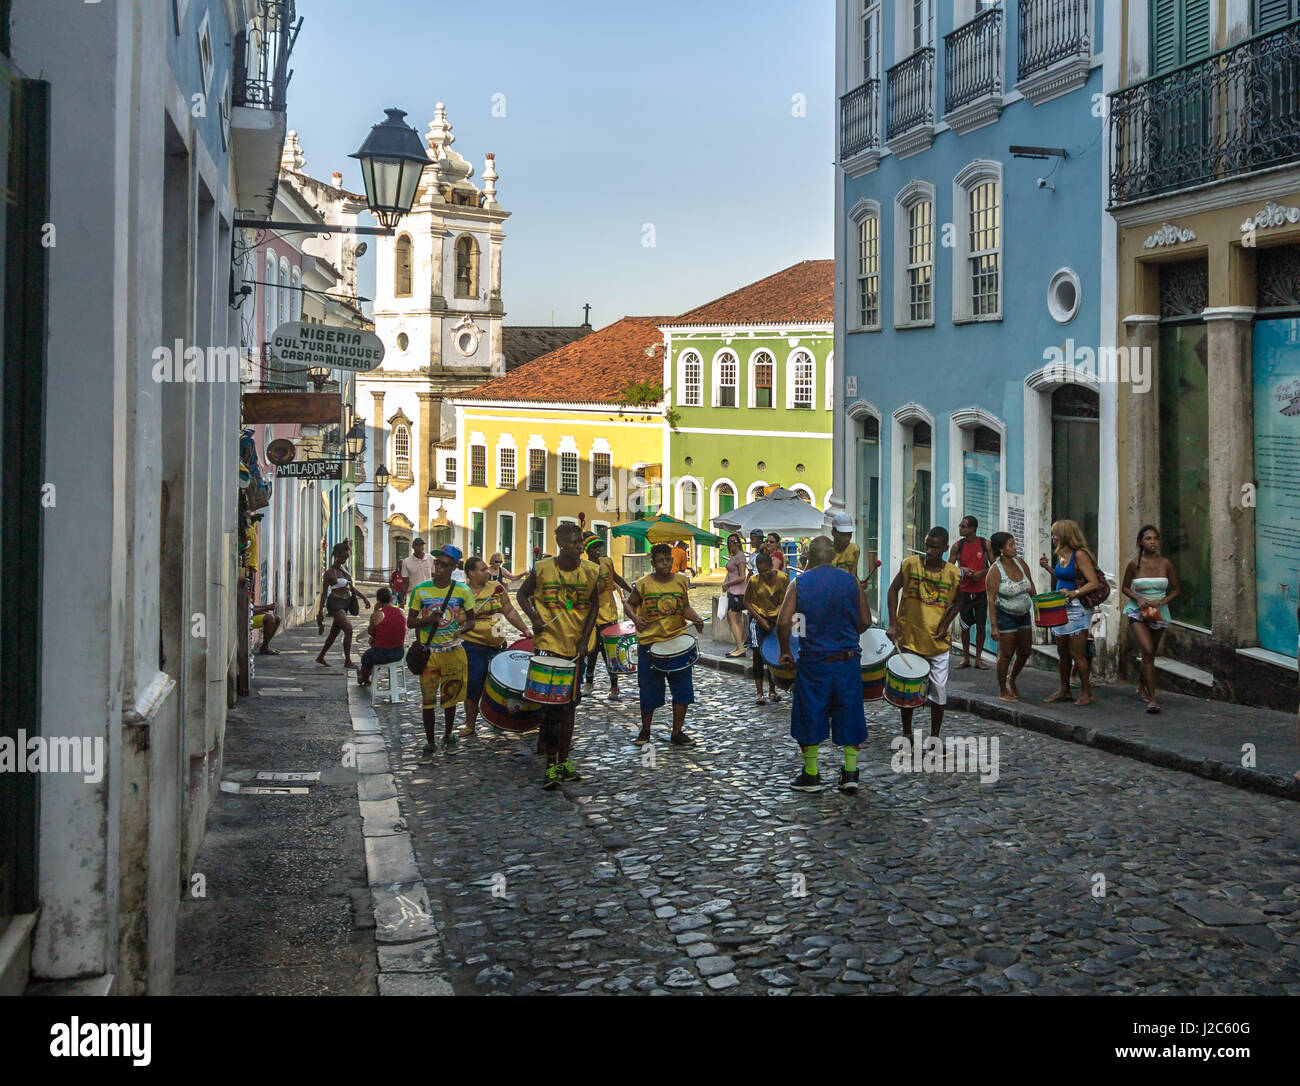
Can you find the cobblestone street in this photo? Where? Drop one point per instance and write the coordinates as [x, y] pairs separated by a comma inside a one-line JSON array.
[[705, 872]]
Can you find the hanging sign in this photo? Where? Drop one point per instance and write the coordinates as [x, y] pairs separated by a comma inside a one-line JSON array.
[[300, 343], [311, 469]]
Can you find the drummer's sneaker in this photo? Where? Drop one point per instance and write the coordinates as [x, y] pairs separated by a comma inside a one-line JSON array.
[[808, 782], [588, 689], [848, 781], [568, 772], [553, 777]]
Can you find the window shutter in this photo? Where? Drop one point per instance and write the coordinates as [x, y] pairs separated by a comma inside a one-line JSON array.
[[1165, 25], [1197, 31], [1274, 13]]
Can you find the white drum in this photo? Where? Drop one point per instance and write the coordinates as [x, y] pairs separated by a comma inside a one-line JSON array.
[[875, 646]]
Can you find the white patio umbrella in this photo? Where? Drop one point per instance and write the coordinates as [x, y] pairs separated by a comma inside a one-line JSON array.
[[783, 511]]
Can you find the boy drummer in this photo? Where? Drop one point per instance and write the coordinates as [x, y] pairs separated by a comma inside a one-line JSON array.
[[660, 608], [559, 596], [930, 601], [763, 597], [607, 615]]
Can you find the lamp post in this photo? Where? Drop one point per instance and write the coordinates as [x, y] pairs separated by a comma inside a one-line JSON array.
[[392, 159]]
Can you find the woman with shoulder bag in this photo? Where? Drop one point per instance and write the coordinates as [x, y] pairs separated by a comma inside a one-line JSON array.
[[1150, 582], [1075, 573], [1009, 586], [338, 597]]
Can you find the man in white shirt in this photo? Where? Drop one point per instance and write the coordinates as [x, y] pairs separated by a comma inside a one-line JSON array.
[[416, 567]]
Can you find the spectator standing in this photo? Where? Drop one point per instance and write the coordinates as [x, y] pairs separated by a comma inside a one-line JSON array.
[[1150, 583], [970, 554], [416, 568], [1009, 587]]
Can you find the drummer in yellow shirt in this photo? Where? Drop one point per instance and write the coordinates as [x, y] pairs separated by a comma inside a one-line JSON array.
[[607, 615], [763, 599], [560, 597], [660, 608], [919, 622]]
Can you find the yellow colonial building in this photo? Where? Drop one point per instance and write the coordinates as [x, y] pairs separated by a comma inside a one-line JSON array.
[[578, 435]]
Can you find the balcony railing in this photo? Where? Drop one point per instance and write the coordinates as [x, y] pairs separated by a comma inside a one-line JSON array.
[[1235, 111], [972, 60], [261, 56], [1052, 31], [860, 119], [910, 89]]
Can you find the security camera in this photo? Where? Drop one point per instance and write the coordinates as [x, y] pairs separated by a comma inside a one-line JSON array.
[[1042, 182]]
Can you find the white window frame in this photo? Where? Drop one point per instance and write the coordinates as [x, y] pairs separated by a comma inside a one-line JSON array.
[[791, 374], [270, 298], [830, 383], [514, 537], [207, 54], [535, 444], [869, 17], [962, 425], [863, 211], [502, 446], [571, 456], [911, 194], [410, 244], [679, 504], [601, 447], [399, 429], [295, 299], [688, 358], [726, 354], [753, 378], [963, 185], [450, 470], [469, 473], [905, 418]]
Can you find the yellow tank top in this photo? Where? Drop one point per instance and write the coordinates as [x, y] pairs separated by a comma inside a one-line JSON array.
[[563, 599], [662, 606], [608, 600], [766, 599], [487, 605]]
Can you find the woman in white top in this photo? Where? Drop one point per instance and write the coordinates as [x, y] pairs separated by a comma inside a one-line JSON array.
[[337, 594], [734, 586], [1010, 588], [1150, 582]]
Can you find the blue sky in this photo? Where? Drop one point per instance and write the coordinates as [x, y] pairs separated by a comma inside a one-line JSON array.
[[618, 114]]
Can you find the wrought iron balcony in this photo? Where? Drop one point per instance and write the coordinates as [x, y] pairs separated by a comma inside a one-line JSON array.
[[860, 119], [261, 56], [1234, 112], [910, 93], [972, 60], [1052, 31]]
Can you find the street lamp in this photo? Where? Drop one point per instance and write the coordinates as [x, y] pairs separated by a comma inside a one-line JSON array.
[[392, 159], [381, 477], [356, 439], [318, 375]]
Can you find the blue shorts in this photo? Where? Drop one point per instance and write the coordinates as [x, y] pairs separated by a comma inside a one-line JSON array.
[[651, 683], [479, 659], [828, 701], [1009, 623], [373, 657]]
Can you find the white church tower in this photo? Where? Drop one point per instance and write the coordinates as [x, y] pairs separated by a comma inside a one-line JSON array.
[[438, 310]]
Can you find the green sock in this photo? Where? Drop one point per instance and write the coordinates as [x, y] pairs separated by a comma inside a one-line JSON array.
[[810, 761], [850, 759]]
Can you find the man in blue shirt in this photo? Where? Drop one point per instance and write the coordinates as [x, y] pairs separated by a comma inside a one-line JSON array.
[[832, 613]]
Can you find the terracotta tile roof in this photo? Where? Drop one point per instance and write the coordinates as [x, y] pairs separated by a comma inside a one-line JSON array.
[[594, 369], [804, 292], [523, 343]]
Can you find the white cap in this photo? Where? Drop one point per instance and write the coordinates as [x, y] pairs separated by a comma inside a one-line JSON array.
[[843, 523]]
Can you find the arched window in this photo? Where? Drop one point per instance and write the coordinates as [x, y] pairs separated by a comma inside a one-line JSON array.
[[726, 372], [802, 380], [977, 256], [466, 267], [401, 450], [688, 507], [756, 491], [914, 259], [830, 381], [762, 380], [402, 267], [296, 298], [692, 379], [270, 307], [865, 244]]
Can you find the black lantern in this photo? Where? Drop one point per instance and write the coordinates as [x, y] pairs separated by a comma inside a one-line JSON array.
[[392, 159], [356, 439], [318, 376], [381, 477]]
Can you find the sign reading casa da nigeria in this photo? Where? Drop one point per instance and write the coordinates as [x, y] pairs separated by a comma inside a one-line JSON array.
[[300, 343]]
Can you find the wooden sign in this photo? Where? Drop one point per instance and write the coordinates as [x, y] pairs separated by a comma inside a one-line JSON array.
[[281, 451], [320, 408], [311, 469]]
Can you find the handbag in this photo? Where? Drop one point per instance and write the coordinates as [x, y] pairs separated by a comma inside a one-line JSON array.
[[417, 656], [1098, 595], [721, 610], [354, 605]]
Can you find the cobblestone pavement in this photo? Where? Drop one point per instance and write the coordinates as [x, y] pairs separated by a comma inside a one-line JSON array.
[[705, 872]]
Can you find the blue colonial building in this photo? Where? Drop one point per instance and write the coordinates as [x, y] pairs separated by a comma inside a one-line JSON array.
[[971, 304]]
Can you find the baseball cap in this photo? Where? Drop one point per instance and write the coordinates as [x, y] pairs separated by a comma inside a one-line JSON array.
[[454, 553], [843, 523]]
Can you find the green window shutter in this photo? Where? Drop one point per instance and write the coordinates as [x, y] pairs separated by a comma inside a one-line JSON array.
[[1273, 13], [1197, 30], [1165, 26]]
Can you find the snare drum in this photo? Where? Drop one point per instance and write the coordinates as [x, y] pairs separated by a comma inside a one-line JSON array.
[[550, 680], [876, 649], [676, 654], [619, 641], [907, 680], [771, 650], [503, 704], [1050, 609]]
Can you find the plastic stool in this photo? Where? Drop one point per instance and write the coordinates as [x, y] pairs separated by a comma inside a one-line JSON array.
[[396, 691]]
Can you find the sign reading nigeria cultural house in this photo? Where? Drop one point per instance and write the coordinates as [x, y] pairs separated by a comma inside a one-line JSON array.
[[301, 343], [311, 469]]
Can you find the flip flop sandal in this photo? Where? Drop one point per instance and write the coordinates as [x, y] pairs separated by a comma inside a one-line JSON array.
[[760, 701], [681, 739], [641, 740]]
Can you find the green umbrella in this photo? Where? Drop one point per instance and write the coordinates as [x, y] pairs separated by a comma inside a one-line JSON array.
[[665, 529]]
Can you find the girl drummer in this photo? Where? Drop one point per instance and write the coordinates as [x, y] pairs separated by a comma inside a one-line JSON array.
[[763, 599], [1150, 583], [660, 608], [483, 641], [1074, 573], [1010, 589]]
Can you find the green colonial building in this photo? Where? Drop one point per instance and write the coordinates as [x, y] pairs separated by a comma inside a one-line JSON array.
[[748, 386]]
